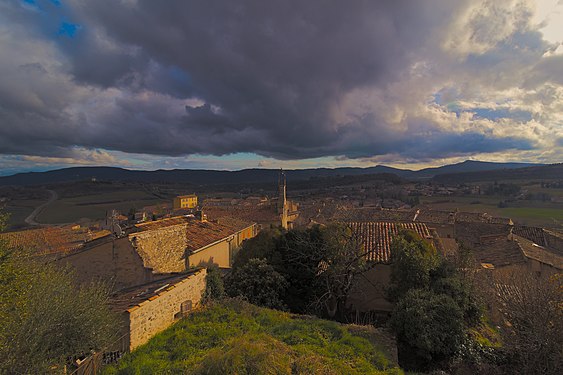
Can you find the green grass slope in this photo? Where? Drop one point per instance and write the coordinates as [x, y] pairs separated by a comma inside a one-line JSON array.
[[235, 337]]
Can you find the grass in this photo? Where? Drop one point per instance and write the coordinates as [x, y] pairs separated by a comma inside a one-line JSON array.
[[234, 337]]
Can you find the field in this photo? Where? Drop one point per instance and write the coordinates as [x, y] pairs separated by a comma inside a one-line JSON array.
[[234, 337], [95, 206], [78, 201], [526, 212]]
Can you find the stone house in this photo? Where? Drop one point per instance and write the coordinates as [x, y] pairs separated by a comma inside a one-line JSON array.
[[150, 308], [368, 292]]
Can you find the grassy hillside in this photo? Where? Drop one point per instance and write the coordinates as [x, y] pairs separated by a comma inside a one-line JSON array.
[[238, 338]]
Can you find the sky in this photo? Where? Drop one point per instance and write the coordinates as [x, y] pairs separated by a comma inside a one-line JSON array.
[[223, 84]]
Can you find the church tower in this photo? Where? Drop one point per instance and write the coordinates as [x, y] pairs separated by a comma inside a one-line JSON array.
[[282, 199]]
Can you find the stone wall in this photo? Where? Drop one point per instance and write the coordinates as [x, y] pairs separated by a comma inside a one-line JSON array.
[[162, 249], [113, 260], [160, 311], [368, 292]]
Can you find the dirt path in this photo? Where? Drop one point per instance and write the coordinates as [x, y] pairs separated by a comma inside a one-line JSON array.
[[31, 218]]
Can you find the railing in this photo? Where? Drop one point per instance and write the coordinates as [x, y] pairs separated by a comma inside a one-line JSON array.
[[111, 354]]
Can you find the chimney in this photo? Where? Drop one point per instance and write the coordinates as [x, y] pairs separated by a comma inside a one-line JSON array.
[[200, 215]]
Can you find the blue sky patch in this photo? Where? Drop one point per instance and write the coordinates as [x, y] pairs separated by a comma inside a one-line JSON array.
[[69, 29]]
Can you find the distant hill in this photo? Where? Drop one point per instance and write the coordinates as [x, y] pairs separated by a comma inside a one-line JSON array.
[[543, 172], [209, 177], [467, 166]]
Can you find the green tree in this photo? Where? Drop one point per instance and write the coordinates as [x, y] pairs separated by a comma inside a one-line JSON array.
[[429, 328], [413, 262], [342, 259], [262, 246], [319, 264], [259, 283], [44, 318], [435, 303]]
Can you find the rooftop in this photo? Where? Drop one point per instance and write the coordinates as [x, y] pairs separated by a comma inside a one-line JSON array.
[[163, 223], [130, 297], [377, 237], [201, 234], [499, 251], [537, 252], [533, 234], [52, 240]]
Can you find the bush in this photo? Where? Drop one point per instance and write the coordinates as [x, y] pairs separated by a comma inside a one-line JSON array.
[[214, 288], [45, 319], [259, 283]]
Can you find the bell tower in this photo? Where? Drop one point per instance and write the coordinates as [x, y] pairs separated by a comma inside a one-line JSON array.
[[282, 199]]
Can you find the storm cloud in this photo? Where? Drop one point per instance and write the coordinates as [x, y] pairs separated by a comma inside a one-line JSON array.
[[285, 80]]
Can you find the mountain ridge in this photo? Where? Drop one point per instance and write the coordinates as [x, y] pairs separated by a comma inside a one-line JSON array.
[[251, 175]]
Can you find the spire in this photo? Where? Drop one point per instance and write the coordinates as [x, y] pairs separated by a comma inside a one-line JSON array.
[[282, 199]]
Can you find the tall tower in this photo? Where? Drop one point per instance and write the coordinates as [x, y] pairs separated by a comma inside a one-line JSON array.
[[282, 199]]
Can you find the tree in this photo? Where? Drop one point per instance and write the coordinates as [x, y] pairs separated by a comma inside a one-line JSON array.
[[44, 318], [429, 328], [533, 309], [436, 303], [342, 259], [413, 261], [261, 246], [259, 283], [319, 264]]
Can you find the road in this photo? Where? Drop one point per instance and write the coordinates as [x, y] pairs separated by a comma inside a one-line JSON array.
[[31, 218]]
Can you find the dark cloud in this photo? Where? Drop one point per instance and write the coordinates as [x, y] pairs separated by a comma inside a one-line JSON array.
[[219, 77]]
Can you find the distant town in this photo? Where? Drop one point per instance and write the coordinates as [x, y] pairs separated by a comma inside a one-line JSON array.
[[156, 257]]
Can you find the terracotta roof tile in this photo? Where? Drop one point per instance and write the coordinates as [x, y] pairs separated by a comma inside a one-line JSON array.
[[533, 234], [537, 252], [52, 240], [376, 237]]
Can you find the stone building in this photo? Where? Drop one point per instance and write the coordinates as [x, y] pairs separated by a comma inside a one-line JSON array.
[[150, 308], [178, 243], [368, 292]]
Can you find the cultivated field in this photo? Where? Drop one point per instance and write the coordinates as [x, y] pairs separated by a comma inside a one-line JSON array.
[[526, 212]]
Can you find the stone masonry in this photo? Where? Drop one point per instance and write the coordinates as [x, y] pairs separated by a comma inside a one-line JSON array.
[[162, 249], [161, 310]]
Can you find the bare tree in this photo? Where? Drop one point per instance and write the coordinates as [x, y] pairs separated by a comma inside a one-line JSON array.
[[533, 311]]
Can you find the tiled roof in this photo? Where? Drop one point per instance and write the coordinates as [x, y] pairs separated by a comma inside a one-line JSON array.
[[198, 233], [376, 237], [255, 214], [533, 234], [499, 251], [201, 234], [163, 223], [539, 253], [435, 216], [369, 214], [130, 297], [52, 240]]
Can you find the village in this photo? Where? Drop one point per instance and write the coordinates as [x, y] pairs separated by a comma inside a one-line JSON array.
[[156, 258]]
